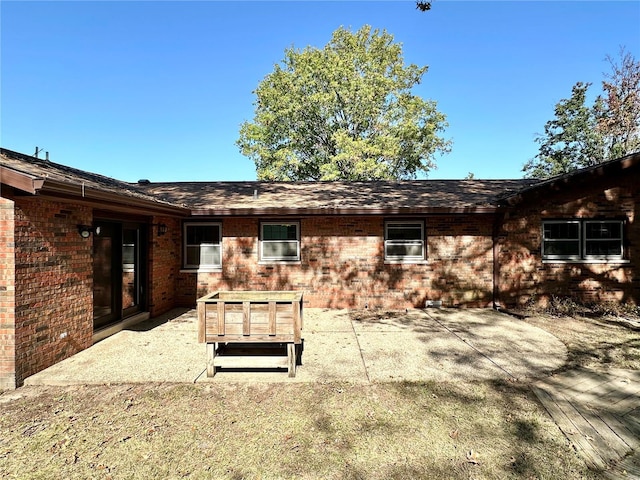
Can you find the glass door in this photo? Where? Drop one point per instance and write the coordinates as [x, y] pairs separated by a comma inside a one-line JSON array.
[[132, 268], [105, 253], [119, 260]]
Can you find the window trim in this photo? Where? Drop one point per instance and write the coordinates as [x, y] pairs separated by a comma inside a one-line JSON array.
[[555, 240], [619, 256], [582, 240], [283, 259], [405, 258], [185, 245]]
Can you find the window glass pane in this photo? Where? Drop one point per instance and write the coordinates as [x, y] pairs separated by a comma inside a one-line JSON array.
[[202, 245], [274, 249], [603, 230], [197, 234], [193, 255], [404, 232], [209, 255], [279, 232], [561, 230], [203, 255], [561, 248], [128, 254], [603, 248], [404, 250]]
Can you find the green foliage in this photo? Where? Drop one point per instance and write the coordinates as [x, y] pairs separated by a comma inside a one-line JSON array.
[[570, 140], [343, 112], [580, 135]]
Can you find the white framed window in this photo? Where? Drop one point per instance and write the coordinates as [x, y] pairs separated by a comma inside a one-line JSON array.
[[603, 239], [202, 245], [582, 240], [404, 241], [280, 241], [561, 239]]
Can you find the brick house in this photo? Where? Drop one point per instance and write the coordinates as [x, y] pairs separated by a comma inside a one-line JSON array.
[[86, 255]]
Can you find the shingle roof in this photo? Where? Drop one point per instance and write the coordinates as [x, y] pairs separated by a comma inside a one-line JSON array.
[[60, 176], [337, 196], [609, 167]]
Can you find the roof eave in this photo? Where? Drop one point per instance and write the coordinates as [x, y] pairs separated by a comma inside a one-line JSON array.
[[89, 196], [554, 183], [355, 211], [20, 181]]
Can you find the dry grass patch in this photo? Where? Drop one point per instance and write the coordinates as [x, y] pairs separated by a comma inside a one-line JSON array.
[[593, 341], [280, 431]]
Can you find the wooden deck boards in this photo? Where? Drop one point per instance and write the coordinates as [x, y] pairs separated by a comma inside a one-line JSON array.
[[599, 412]]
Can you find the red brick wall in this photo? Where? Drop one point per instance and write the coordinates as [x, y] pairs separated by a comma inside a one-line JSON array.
[[164, 265], [7, 296], [53, 282], [524, 276], [342, 264]]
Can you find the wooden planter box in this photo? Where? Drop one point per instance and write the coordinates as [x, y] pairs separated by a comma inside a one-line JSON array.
[[250, 317]]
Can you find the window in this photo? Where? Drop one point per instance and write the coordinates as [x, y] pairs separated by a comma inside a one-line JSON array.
[[202, 245], [561, 239], [279, 241], [404, 241], [603, 239], [582, 240]]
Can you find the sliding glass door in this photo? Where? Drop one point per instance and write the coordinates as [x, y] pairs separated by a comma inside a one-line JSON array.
[[119, 276]]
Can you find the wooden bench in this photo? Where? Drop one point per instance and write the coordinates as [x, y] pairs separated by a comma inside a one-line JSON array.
[[253, 317]]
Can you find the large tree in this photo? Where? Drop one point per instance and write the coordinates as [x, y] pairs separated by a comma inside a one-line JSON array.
[[618, 109], [343, 112], [581, 135]]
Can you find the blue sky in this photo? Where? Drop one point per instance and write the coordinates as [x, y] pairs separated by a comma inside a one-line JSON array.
[[158, 89]]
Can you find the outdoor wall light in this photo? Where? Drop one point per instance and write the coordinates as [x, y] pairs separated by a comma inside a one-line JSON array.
[[85, 231], [162, 229]]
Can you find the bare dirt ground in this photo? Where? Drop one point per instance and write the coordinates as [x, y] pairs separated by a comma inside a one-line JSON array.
[[484, 429]]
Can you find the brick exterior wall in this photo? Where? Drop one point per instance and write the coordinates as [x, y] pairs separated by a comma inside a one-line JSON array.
[[7, 296], [164, 265], [53, 281], [342, 264], [523, 275]]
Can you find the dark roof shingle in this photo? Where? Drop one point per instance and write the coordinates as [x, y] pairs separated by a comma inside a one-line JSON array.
[[229, 197]]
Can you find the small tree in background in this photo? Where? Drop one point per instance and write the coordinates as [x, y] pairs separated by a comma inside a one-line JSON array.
[[580, 135], [344, 112]]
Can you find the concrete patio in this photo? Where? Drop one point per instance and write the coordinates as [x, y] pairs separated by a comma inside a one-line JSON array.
[[339, 345]]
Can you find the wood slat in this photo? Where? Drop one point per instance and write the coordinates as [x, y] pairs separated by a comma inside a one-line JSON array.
[[297, 328], [272, 318], [211, 355], [622, 429], [250, 361], [246, 318], [253, 338], [570, 430], [291, 359], [202, 321], [607, 443], [221, 319]]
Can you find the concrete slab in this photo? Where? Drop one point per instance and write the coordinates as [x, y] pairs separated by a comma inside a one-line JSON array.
[[339, 345]]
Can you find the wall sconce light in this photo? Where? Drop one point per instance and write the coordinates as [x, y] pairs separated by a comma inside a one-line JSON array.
[[85, 231], [162, 229]]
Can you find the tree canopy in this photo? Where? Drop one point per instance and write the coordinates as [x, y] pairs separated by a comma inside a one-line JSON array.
[[343, 112], [581, 135]]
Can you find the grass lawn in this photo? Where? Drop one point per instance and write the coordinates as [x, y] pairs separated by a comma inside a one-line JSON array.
[[457, 430]]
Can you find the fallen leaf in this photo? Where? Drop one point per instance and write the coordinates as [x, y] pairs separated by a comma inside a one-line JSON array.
[[472, 457]]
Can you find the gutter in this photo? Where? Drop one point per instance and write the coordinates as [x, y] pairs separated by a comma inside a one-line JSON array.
[[80, 193], [344, 211], [84, 194]]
